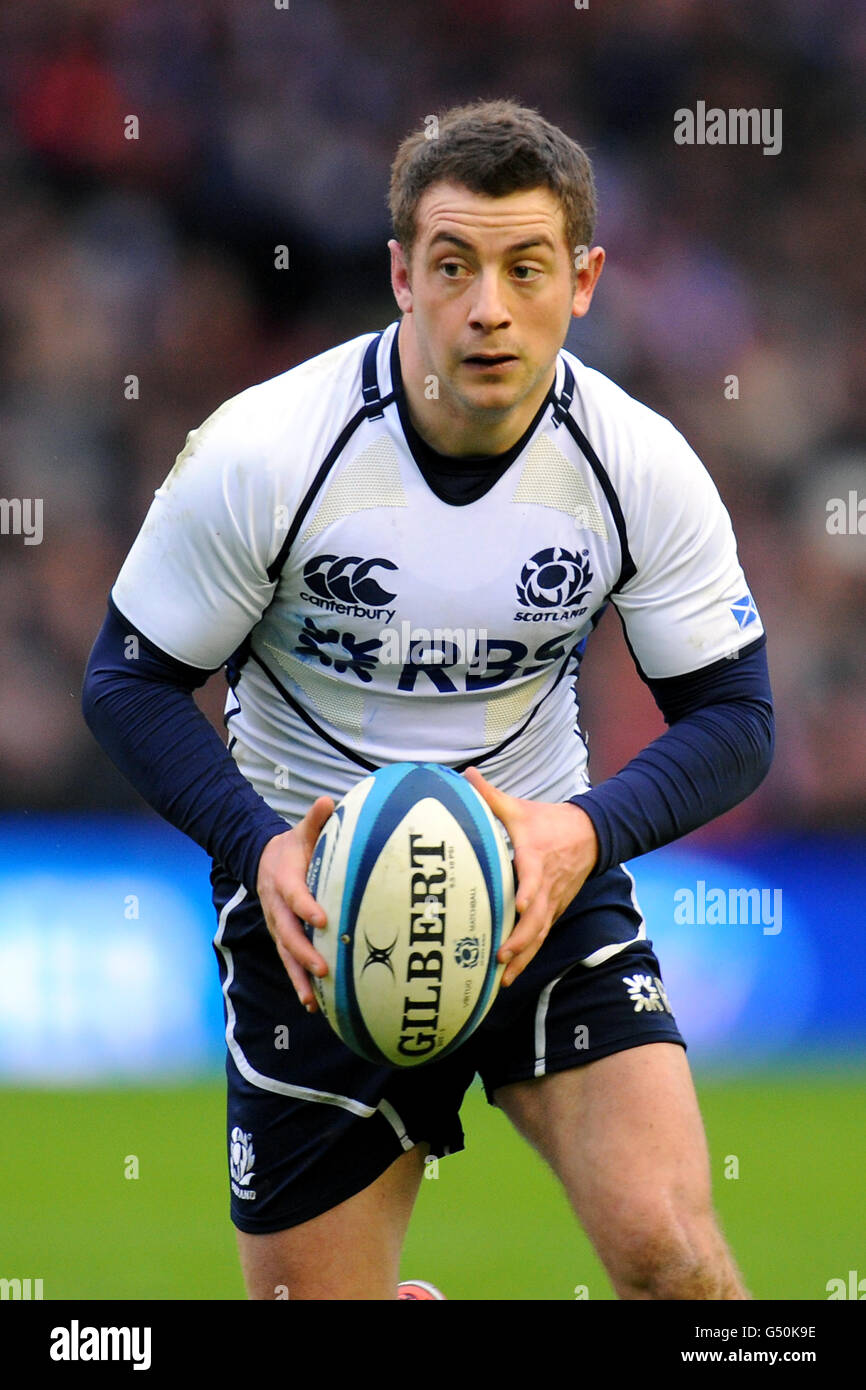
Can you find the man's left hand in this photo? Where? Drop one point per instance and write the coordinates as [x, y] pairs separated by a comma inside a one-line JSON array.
[[555, 849]]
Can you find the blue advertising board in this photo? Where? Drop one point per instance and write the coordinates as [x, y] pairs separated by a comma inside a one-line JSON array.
[[107, 970]]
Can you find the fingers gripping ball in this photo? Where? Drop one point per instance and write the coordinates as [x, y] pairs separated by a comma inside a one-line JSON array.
[[413, 872]]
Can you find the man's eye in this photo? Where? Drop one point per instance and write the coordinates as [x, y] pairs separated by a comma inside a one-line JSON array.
[[526, 272], [452, 269]]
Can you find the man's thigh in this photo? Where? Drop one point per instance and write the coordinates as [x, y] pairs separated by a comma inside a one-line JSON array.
[[625, 1137], [624, 1124], [350, 1252]]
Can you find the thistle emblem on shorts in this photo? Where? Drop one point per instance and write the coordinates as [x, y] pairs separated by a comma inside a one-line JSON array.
[[241, 1157]]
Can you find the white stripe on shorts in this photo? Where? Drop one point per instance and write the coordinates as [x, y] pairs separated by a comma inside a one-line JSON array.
[[396, 1123], [605, 952], [271, 1083], [596, 958], [541, 1022]]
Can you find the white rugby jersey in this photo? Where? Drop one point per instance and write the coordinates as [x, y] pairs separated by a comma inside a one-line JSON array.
[[366, 621]]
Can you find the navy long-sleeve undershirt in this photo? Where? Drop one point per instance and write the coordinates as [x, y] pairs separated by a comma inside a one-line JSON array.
[[717, 749], [143, 714], [141, 710]]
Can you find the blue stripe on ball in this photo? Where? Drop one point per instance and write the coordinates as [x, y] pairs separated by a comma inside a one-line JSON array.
[[395, 790], [362, 857]]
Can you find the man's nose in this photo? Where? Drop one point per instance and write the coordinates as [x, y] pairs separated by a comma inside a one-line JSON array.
[[489, 308]]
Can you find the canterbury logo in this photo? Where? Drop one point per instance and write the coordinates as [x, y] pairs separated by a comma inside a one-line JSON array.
[[379, 955], [348, 580]]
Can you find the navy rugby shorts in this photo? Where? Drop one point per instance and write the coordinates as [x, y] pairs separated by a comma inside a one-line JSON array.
[[309, 1123]]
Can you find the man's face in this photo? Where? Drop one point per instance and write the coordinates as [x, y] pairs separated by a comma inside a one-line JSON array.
[[491, 288]]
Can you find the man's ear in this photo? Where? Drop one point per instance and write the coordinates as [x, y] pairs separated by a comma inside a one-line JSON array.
[[400, 277], [589, 267]]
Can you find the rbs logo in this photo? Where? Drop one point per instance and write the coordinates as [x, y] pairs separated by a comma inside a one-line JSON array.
[[495, 661]]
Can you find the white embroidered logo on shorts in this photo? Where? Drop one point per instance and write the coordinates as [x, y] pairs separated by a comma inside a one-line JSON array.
[[647, 993], [241, 1160]]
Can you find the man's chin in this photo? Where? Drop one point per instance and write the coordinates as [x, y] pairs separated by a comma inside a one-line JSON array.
[[488, 406], [489, 394]]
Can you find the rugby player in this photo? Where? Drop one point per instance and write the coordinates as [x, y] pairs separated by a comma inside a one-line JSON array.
[[458, 475]]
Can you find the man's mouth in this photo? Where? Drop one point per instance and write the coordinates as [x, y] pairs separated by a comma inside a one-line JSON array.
[[489, 359]]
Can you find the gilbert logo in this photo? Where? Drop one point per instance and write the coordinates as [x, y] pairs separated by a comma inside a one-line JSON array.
[[378, 955], [76, 1343]]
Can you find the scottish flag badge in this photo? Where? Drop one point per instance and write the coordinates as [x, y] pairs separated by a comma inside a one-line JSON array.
[[744, 610]]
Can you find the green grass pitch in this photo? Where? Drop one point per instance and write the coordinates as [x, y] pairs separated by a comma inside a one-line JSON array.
[[69, 1215]]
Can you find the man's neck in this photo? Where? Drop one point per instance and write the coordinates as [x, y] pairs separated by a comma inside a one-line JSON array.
[[451, 430]]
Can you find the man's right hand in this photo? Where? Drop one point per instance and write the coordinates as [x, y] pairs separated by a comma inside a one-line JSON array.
[[287, 902]]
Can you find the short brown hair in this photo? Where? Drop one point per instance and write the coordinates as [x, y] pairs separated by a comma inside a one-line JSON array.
[[494, 148]]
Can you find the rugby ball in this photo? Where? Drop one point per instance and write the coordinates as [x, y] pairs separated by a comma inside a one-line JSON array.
[[413, 872]]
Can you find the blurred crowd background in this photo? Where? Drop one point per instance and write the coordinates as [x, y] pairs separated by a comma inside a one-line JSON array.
[[261, 126]]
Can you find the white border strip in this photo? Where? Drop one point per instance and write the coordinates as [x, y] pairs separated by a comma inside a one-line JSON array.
[[541, 1023], [596, 958], [390, 1114], [257, 1078], [605, 952]]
